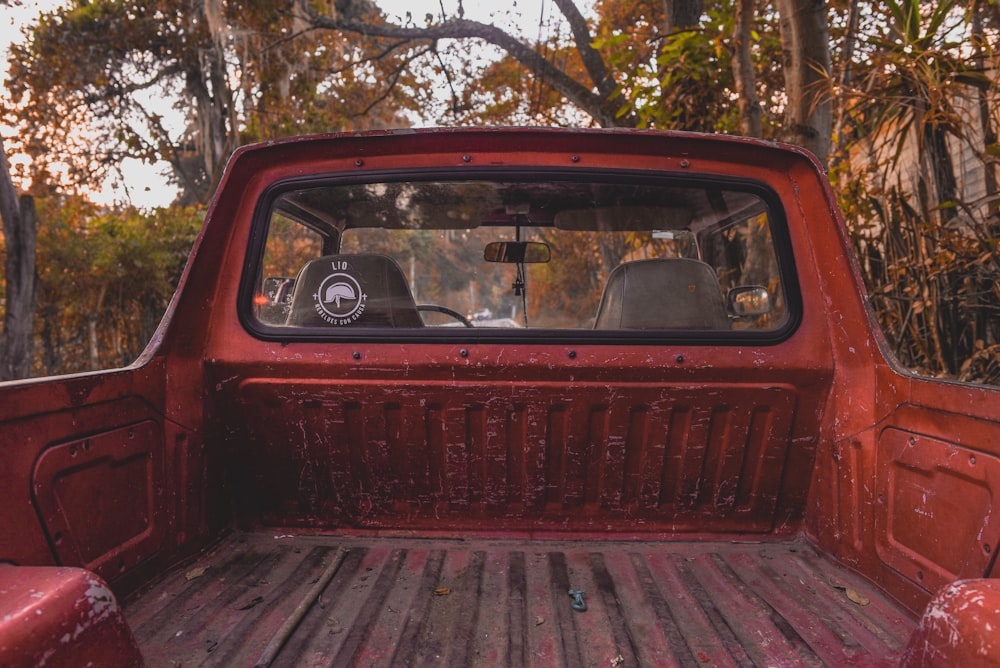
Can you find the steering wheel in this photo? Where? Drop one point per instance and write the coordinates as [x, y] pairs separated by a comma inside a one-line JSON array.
[[447, 311]]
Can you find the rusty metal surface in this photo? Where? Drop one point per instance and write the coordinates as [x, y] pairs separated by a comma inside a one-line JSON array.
[[911, 502], [112, 475], [958, 628], [61, 617], [629, 457], [374, 601]]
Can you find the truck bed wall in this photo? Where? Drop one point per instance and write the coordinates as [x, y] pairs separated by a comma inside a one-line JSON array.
[[520, 454], [910, 500]]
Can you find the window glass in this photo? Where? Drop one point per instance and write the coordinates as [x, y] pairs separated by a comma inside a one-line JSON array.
[[290, 245], [543, 254]]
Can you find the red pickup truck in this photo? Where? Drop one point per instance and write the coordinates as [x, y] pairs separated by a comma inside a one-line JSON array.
[[506, 397]]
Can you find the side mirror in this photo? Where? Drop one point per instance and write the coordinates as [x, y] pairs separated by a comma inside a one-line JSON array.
[[748, 301], [277, 289], [530, 252]]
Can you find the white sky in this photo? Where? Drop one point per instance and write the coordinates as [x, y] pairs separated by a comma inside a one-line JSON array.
[[523, 14], [15, 16], [146, 184]]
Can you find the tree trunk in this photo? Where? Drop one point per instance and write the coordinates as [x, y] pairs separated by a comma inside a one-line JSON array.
[[940, 167], [806, 48], [94, 354], [52, 342], [985, 124], [743, 72], [93, 346], [19, 228], [846, 72], [682, 14]]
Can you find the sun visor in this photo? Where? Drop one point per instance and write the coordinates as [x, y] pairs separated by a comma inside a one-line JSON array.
[[632, 218]]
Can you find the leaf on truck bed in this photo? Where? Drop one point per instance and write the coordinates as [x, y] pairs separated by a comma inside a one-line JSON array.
[[253, 602], [858, 598], [195, 573]]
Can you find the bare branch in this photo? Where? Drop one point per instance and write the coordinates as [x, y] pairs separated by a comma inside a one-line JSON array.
[[595, 104], [451, 83], [125, 91], [374, 58], [592, 60], [393, 80]]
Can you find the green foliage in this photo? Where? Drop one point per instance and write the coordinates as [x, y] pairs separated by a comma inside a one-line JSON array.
[[917, 85], [684, 80], [912, 78], [105, 278], [681, 84], [928, 244]]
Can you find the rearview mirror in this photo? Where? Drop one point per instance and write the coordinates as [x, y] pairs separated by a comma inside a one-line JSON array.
[[747, 301], [517, 251]]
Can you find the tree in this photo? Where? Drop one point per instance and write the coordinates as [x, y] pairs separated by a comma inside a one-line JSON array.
[[806, 47], [234, 72], [251, 70], [882, 85], [594, 92], [744, 76], [928, 242], [19, 230], [105, 279], [641, 62]]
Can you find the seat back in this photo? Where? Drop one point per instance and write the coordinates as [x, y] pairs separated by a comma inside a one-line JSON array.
[[674, 293], [353, 291]]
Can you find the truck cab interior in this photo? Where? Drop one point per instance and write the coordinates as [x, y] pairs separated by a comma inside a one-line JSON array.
[[538, 252]]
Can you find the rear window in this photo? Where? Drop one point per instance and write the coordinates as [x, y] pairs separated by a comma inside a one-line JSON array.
[[536, 255]]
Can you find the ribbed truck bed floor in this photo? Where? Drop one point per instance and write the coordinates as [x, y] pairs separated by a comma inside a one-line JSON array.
[[281, 600]]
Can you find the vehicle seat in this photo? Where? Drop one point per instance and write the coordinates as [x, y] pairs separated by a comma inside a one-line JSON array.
[[675, 293], [353, 291]]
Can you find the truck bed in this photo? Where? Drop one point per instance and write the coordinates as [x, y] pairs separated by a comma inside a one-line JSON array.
[[299, 600]]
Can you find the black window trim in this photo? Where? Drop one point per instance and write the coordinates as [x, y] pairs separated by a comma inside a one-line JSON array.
[[780, 236]]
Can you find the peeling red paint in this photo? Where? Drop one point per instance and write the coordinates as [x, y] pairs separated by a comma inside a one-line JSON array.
[[614, 450]]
